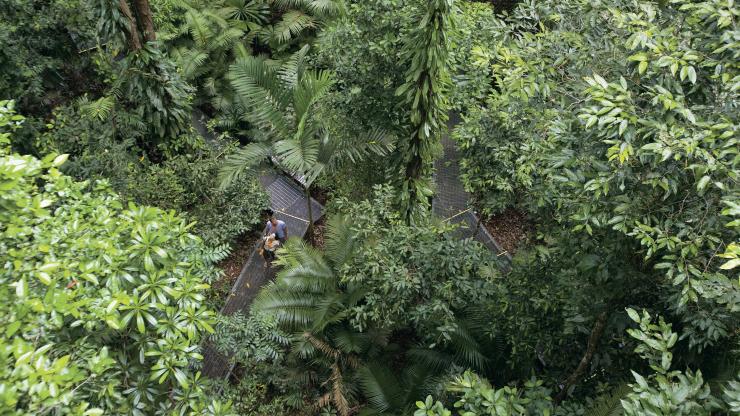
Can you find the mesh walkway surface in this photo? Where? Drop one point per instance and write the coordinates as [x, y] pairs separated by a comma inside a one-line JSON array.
[[289, 203], [452, 203]]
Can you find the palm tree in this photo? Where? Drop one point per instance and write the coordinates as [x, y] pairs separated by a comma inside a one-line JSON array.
[[217, 33], [308, 299], [280, 102]]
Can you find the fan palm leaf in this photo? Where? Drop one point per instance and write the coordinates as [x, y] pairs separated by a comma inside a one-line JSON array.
[[255, 11]]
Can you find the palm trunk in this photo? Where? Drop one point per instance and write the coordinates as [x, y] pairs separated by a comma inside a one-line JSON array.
[[309, 231]]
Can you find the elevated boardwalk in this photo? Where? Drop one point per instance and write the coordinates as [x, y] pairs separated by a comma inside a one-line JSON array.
[[288, 200], [453, 204], [289, 203]]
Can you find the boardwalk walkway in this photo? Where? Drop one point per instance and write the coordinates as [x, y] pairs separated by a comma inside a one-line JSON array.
[[452, 203], [288, 201]]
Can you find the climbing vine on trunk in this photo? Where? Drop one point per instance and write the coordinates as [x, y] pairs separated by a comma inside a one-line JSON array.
[[427, 78]]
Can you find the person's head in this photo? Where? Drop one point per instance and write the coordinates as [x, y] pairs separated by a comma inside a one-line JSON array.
[[274, 221]]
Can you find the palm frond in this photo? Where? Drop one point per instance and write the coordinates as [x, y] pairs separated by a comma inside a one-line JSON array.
[[610, 403], [291, 69], [339, 241], [311, 88], [227, 37], [255, 11], [262, 90], [437, 361], [298, 155], [378, 143], [326, 8], [338, 391], [191, 62], [198, 27], [467, 349], [322, 346], [292, 309], [217, 17], [381, 387], [290, 4], [240, 161], [292, 23]]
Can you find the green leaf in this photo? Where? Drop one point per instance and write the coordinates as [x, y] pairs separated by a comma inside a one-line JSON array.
[[59, 160], [633, 315], [730, 264], [642, 67], [692, 74], [703, 183]]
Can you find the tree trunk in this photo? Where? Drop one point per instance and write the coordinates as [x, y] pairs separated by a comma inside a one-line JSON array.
[[593, 342], [145, 19], [133, 35], [309, 231]]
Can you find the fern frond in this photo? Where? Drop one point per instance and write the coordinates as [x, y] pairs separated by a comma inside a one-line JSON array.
[[100, 108], [216, 254]]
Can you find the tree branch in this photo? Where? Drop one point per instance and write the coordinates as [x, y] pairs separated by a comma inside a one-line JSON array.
[[593, 342]]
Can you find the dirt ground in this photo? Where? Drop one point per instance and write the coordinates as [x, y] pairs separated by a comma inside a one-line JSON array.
[[510, 228]]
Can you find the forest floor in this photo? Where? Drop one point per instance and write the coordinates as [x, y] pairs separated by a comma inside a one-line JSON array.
[[319, 230], [511, 229]]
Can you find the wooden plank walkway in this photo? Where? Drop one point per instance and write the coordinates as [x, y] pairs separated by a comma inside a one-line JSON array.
[[452, 203]]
